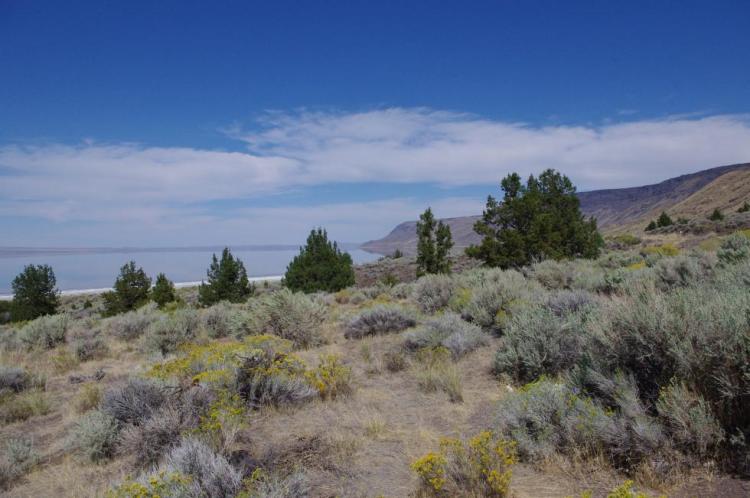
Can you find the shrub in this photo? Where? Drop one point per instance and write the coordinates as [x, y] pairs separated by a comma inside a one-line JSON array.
[[434, 242], [319, 266], [227, 281], [167, 334], [135, 401], [537, 341], [19, 457], [163, 291], [222, 320], [269, 377], [34, 293], [148, 441], [89, 397], [379, 320], [95, 436], [564, 302], [132, 324], [158, 484], [131, 290], [211, 474], [553, 274], [480, 468], [289, 315], [395, 360], [662, 250], [275, 485], [437, 372], [30, 403], [448, 331], [734, 249], [664, 220], [492, 301], [332, 379], [89, 345], [433, 292], [689, 419], [681, 271], [15, 379], [716, 215], [44, 332]]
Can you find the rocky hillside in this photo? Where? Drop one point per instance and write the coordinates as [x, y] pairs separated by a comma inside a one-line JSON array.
[[617, 210]]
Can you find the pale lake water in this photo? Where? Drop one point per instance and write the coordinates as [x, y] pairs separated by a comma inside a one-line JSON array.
[[99, 270]]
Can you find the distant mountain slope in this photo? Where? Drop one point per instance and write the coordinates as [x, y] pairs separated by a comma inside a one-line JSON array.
[[615, 209]]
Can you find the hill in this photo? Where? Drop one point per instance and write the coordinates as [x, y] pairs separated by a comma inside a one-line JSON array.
[[616, 210]]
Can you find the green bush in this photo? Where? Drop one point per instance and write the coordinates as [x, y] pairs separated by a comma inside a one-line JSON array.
[[227, 281], [34, 293], [163, 291], [319, 266], [131, 290]]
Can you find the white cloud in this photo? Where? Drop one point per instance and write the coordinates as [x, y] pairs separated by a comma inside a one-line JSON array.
[[164, 188]]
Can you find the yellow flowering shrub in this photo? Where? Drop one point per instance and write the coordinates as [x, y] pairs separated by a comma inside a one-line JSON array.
[[662, 250], [636, 266], [481, 467], [331, 378], [156, 486]]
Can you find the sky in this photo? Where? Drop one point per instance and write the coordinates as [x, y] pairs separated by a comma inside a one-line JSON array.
[[177, 123]]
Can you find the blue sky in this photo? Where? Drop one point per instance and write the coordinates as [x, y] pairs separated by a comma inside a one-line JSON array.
[[178, 123]]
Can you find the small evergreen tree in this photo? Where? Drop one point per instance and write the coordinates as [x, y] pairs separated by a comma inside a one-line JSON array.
[[717, 215], [397, 254], [34, 293], [131, 290], [664, 220], [539, 220], [651, 226], [744, 208], [227, 281], [434, 242], [319, 266], [163, 291]]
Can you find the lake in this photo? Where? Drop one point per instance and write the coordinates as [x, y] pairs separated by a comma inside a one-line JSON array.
[[95, 270]]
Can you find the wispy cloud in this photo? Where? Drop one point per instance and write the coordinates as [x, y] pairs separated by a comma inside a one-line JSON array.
[[168, 187]]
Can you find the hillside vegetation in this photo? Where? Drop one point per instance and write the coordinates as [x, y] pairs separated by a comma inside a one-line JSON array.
[[631, 371]]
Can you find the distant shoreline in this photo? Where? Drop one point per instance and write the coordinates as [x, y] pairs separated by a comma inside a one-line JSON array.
[[179, 285]]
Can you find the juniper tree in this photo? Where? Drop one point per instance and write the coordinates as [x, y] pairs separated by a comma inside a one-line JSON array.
[[434, 242], [227, 281], [131, 290], [319, 266], [34, 293], [163, 291], [664, 220], [541, 219]]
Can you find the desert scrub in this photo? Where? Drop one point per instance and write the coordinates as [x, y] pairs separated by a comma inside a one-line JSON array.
[[667, 250], [88, 397], [166, 334], [210, 473], [44, 332], [479, 467], [436, 372], [148, 441], [379, 320], [223, 319], [272, 378], [539, 341], [734, 249], [448, 331], [134, 401], [215, 363], [24, 405], [15, 379], [331, 378], [17, 459], [433, 292], [495, 298], [222, 421], [262, 484], [95, 436], [133, 324], [160, 484], [89, 345], [682, 270], [289, 315]]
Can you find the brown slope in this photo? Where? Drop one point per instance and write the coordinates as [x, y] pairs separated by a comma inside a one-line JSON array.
[[614, 209]]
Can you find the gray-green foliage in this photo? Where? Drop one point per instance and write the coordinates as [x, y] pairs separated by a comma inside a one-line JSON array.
[[224, 319], [734, 249], [449, 331], [166, 334], [95, 436], [290, 315], [433, 292], [211, 474], [18, 457], [495, 297], [44, 332], [379, 320]]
